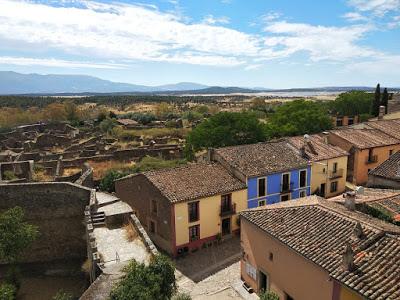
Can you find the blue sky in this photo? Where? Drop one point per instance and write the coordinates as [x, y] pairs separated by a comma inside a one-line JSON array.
[[252, 43]]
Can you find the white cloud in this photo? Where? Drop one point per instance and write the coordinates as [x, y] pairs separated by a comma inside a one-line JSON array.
[[320, 42], [211, 20], [127, 33], [376, 7], [122, 31], [51, 62], [253, 67], [271, 16], [354, 17], [381, 65]]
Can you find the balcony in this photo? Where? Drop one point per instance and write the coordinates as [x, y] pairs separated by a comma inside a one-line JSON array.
[[287, 188], [336, 174], [371, 159], [227, 210]]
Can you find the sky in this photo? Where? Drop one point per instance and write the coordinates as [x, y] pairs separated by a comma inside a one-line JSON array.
[[246, 43]]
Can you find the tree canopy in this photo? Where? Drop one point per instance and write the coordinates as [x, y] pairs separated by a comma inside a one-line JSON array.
[[377, 101], [15, 234], [352, 103], [153, 282], [226, 129], [298, 117]]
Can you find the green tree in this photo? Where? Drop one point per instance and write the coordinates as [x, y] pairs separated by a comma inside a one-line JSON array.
[[351, 103], [298, 117], [377, 101], [385, 100], [15, 235], [71, 112], [107, 183], [226, 129], [107, 125], [153, 282]]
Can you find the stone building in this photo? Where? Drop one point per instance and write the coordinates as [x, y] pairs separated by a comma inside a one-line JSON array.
[[386, 175], [273, 172], [186, 207], [329, 164], [368, 148], [315, 249]]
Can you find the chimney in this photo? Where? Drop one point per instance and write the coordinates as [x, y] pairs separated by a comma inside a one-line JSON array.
[[358, 231], [325, 135], [381, 112], [348, 258], [350, 201]]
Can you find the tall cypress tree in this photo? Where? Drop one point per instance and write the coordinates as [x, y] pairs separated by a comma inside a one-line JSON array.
[[377, 101], [385, 100]]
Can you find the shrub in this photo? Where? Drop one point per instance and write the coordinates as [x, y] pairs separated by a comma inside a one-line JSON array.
[[153, 282], [62, 295], [182, 296], [107, 183], [9, 175], [7, 292], [268, 295]]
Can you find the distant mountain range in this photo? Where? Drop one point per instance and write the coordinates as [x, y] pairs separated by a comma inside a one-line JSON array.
[[12, 83]]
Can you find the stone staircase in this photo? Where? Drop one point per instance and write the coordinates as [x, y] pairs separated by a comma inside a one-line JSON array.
[[98, 219]]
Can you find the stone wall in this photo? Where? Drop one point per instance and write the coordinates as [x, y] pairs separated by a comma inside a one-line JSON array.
[[57, 209]]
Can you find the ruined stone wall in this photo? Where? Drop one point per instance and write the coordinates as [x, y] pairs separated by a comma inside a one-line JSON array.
[[57, 208]]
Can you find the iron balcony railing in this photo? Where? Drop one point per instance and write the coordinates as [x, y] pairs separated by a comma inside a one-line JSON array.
[[287, 188], [336, 174], [227, 210]]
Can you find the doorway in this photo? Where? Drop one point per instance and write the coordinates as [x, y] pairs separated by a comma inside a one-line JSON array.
[[226, 226], [322, 189], [263, 282]]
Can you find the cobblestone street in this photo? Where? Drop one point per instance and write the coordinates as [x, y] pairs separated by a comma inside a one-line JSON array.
[[211, 273]]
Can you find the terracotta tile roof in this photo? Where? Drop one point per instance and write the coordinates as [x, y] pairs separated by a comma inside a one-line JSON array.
[[390, 127], [194, 181], [392, 204], [369, 194], [263, 158], [316, 148], [390, 168], [320, 230], [365, 138]]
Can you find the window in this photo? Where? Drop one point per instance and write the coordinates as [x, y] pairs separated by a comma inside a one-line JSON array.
[[251, 271], [335, 167], [285, 197], [390, 152], [154, 206], [285, 185], [271, 256], [339, 122], [303, 178], [193, 211], [302, 194], [194, 233], [261, 187], [152, 227], [333, 186], [350, 121], [261, 203], [226, 201]]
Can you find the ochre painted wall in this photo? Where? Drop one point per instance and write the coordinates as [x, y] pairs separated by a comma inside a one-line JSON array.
[[210, 220], [361, 167], [318, 176], [288, 272], [347, 294]]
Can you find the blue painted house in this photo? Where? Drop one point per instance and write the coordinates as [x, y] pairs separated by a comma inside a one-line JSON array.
[[273, 171]]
